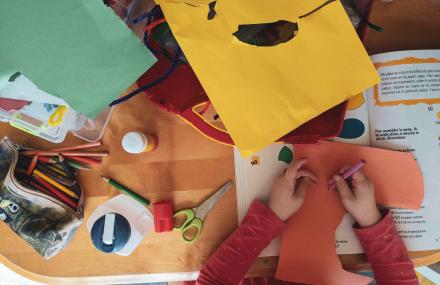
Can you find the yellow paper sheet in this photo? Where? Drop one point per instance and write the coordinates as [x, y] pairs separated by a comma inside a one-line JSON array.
[[262, 93]]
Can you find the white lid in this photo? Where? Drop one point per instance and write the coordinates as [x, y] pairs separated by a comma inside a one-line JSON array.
[[134, 142], [141, 220]]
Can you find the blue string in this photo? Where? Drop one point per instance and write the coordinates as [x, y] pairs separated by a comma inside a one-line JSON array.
[[152, 13], [151, 84]]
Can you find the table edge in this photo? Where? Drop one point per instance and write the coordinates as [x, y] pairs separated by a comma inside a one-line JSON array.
[[158, 277]]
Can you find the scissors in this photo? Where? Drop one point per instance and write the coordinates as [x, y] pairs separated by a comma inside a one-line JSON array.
[[193, 218]]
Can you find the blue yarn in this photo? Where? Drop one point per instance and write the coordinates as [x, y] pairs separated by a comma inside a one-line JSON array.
[[151, 84], [152, 13]]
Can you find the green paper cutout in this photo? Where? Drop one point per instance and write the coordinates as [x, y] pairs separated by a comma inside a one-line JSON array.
[[77, 50], [285, 155]]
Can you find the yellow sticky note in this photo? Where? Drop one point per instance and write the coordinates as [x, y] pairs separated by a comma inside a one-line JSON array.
[[264, 92]]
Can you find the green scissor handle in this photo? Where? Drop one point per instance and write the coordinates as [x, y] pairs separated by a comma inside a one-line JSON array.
[[190, 221], [194, 223], [189, 216]]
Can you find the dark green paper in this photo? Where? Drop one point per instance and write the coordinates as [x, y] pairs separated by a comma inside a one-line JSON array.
[[285, 155]]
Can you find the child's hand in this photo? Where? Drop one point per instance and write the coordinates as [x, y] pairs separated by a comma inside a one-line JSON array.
[[289, 190], [359, 200]]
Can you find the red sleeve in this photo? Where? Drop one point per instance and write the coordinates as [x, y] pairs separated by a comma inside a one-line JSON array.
[[235, 256], [387, 253]]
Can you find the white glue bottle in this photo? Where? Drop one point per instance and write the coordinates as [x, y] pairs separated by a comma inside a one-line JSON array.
[[137, 142]]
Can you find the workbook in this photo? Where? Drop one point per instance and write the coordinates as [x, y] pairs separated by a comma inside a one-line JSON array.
[[401, 113]]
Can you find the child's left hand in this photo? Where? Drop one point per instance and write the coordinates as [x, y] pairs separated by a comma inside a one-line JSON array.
[[289, 190]]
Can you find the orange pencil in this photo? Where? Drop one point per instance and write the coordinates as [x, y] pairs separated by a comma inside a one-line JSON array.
[[56, 184], [32, 165]]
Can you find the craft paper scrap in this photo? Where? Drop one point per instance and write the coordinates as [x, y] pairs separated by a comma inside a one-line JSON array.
[[264, 92], [398, 183], [79, 51], [24, 89]]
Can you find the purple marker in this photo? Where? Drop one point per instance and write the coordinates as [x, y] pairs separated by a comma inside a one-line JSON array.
[[352, 170]]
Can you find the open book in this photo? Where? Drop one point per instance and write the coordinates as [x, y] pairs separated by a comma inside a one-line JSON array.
[[401, 113]]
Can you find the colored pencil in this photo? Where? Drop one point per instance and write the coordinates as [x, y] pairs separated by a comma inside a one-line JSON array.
[[32, 165], [69, 172], [352, 170], [65, 153], [68, 148], [126, 191], [77, 165], [65, 166], [40, 188], [57, 166], [54, 191], [70, 162], [46, 159], [85, 160], [54, 168], [55, 176], [56, 184], [349, 172], [81, 146]]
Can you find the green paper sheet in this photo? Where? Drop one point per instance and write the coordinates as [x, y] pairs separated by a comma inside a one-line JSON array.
[[78, 50]]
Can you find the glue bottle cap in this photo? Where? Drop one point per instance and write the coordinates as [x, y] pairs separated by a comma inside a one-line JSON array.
[[134, 142]]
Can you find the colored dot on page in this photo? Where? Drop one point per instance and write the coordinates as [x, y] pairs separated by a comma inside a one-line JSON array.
[[438, 115]]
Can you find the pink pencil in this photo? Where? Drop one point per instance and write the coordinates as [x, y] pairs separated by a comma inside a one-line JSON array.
[[352, 170]]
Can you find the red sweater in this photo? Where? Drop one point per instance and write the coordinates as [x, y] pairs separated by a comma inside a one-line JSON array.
[[228, 265]]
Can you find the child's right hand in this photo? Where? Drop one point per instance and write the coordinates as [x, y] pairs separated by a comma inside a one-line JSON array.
[[359, 199]]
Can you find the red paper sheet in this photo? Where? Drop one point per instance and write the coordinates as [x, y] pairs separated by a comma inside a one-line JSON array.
[[308, 253]]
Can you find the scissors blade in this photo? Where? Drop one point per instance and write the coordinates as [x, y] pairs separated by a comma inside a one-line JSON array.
[[204, 208]]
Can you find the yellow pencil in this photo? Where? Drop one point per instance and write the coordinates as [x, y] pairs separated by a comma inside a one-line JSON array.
[[56, 184]]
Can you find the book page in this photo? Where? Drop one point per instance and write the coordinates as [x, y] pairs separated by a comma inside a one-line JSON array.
[[255, 176], [356, 126], [404, 113]]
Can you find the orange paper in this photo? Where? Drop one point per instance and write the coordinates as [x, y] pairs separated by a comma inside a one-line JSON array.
[[308, 253]]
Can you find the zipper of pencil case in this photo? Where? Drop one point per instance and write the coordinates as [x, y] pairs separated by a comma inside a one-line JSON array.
[[19, 187]]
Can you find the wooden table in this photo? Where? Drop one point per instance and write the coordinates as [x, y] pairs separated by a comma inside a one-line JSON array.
[[186, 167]]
